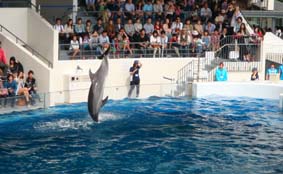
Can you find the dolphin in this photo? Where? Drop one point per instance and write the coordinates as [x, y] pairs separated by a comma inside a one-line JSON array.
[[95, 101]]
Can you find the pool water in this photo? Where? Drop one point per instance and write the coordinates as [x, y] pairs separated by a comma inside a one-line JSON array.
[[156, 135]]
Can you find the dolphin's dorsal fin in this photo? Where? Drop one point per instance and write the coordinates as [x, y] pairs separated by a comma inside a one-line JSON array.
[[104, 101]]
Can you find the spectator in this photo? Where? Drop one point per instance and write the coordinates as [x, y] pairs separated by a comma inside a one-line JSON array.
[[138, 25], [15, 67], [60, 28], [74, 47], [210, 27], [148, 9], [3, 60], [79, 27], [85, 42], [118, 25], [221, 73], [142, 43], [69, 30], [135, 78], [184, 41], [89, 27], [126, 44], [139, 9], [164, 43], [170, 10], [197, 44], [199, 27], [130, 29], [94, 43], [167, 27], [149, 28], [224, 40], [254, 75], [157, 27], [31, 86], [11, 85], [237, 13], [21, 89], [104, 41], [188, 26], [3, 92], [224, 5], [98, 27], [177, 26], [205, 13], [155, 43], [206, 39], [129, 9], [158, 10], [272, 71], [215, 40], [173, 43], [110, 28], [90, 4], [238, 24], [230, 13]]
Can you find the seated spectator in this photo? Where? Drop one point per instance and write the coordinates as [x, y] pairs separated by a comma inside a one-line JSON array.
[[173, 43], [129, 9], [90, 4], [195, 13], [254, 75], [155, 43], [170, 10], [210, 27], [199, 27], [205, 13], [15, 67], [167, 27], [197, 44], [21, 89], [3, 60], [272, 71], [164, 43], [148, 9], [94, 43], [238, 24], [138, 25], [88, 27], [158, 10], [206, 39], [130, 29], [110, 28], [221, 73], [118, 25], [11, 85], [215, 40], [237, 13], [126, 44], [149, 28], [157, 27], [80, 27], [139, 9], [3, 92], [188, 26], [184, 41], [60, 28], [177, 26], [85, 45], [142, 43], [31, 86], [224, 5], [98, 27], [74, 47], [69, 30], [104, 41]]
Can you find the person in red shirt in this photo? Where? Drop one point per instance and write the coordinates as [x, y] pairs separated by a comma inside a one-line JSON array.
[[3, 60]]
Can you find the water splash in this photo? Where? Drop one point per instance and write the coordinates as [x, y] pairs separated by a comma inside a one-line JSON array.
[[63, 125]]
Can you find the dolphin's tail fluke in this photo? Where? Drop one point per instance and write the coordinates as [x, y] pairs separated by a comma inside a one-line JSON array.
[[104, 54]]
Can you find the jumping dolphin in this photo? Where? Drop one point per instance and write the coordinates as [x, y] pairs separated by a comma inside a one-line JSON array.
[[96, 89]]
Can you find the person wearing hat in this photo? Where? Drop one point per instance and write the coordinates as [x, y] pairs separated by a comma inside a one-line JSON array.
[[254, 75], [135, 78]]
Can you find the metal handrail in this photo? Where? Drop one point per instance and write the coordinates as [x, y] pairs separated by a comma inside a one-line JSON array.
[[29, 48]]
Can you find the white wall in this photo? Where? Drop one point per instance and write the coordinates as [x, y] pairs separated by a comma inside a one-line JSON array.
[[41, 36], [29, 62], [265, 90], [15, 20]]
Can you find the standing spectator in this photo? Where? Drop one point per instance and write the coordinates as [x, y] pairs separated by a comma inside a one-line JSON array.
[[60, 28], [74, 47], [158, 10], [130, 29], [237, 13], [149, 28], [224, 40], [272, 71], [215, 40], [164, 43], [129, 9], [3, 60], [238, 24], [69, 30], [138, 25], [79, 27], [155, 43], [11, 85], [205, 13], [135, 78], [148, 9], [221, 73], [254, 75]]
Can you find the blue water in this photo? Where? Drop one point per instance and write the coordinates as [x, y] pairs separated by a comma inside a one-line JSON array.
[[157, 135]]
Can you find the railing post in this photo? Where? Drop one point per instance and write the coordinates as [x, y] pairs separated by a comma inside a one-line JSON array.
[[198, 68]]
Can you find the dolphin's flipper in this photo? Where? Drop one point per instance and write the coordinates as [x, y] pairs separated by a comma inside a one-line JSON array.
[[104, 101]]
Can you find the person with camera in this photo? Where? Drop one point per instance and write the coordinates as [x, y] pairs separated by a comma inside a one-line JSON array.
[[135, 78]]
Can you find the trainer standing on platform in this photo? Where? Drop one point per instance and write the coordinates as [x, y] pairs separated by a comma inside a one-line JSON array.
[[135, 78]]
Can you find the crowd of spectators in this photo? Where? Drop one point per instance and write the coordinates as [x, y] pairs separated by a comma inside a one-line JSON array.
[[13, 83], [140, 27]]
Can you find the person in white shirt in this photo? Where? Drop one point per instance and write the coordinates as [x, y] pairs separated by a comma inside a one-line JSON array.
[[74, 47], [138, 25], [164, 43], [104, 41], [205, 13], [155, 43], [177, 26], [60, 28]]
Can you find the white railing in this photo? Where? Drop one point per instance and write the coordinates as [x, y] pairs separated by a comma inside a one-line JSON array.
[[275, 57]]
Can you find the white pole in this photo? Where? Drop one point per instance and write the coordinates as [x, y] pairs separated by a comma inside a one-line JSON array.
[[75, 9]]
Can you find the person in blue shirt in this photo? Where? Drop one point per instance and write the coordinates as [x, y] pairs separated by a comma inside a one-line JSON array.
[[281, 71], [221, 73], [11, 85], [271, 71], [135, 78]]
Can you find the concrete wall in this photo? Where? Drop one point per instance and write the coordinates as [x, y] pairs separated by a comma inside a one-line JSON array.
[[42, 72], [265, 90], [15, 20], [41, 36]]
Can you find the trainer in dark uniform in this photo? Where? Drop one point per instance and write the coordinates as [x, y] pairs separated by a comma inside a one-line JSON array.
[[135, 78]]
